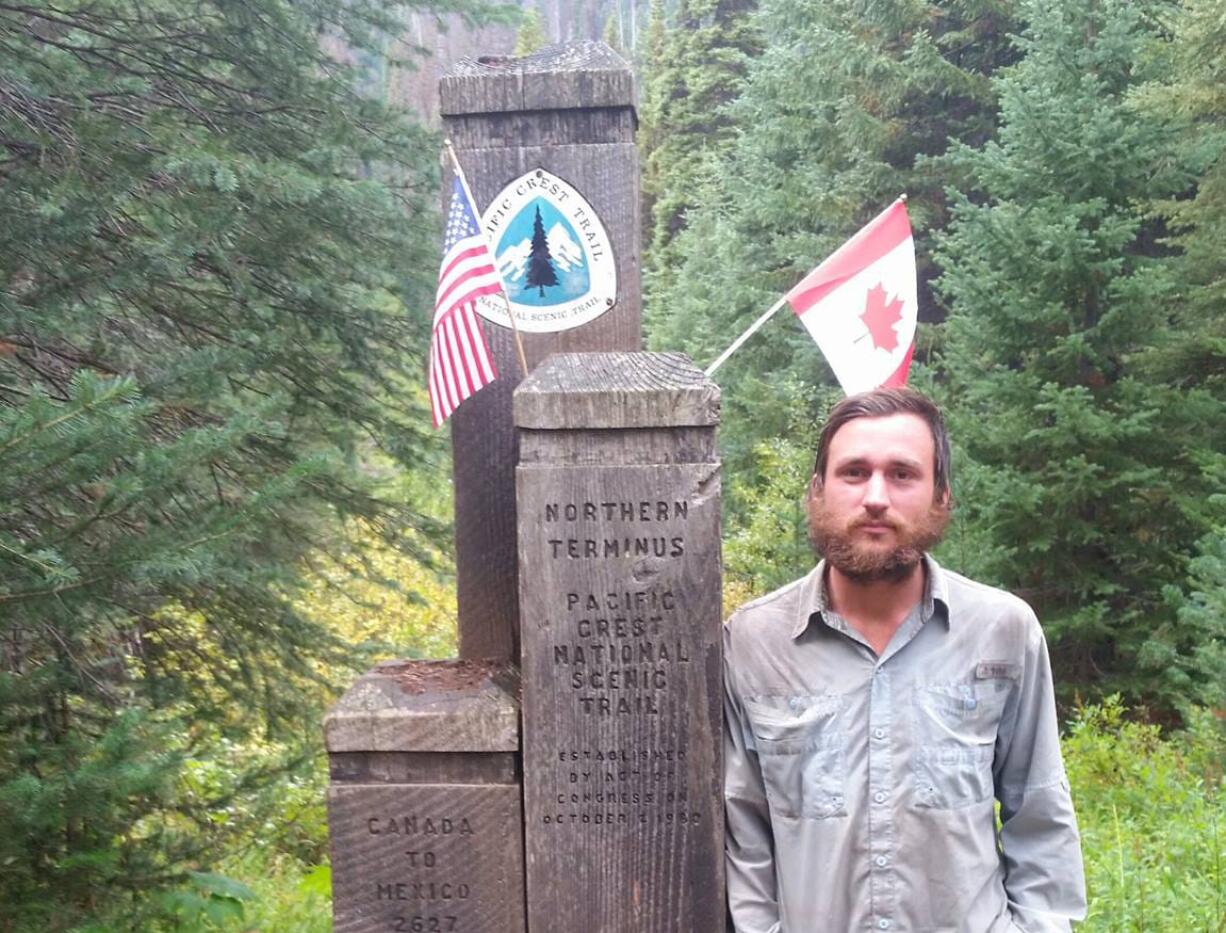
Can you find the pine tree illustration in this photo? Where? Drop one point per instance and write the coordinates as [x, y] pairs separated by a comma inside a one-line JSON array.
[[540, 263]]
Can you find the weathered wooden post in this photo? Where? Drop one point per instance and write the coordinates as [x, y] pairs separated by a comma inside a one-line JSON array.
[[424, 804], [619, 554], [552, 132]]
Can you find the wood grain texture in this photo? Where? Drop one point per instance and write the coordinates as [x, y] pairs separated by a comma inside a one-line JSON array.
[[428, 706], [621, 662], [617, 390], [542, 128], [426, 858], [423, 768], [574, 75], [424, 806], [639, 445], [570, 112]]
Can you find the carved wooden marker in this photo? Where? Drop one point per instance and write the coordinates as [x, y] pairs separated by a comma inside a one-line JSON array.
[[618, 495], [559, 123], [424, 806]]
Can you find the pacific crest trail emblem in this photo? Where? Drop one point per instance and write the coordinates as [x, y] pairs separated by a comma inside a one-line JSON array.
[[553, 255]]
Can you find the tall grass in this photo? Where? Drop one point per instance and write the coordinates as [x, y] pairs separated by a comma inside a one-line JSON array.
[[1152, 811]]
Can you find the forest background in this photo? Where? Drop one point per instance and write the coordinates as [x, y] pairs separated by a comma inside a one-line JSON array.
[[220, 496]]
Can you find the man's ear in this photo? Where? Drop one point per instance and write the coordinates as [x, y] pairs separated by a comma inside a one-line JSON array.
[[815, 486]]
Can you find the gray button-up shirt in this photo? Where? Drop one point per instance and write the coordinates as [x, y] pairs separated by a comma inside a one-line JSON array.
[[860, 790]]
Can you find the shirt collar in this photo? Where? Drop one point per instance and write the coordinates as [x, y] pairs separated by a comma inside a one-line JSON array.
[[813, 595]]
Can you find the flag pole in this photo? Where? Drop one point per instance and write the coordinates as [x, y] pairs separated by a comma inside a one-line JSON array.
[[519, 343], [753, 329]]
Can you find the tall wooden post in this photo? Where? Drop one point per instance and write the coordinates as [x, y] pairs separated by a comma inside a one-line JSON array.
[[618, 487], [565, 118]]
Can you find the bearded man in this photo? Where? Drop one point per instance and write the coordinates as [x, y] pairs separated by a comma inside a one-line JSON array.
[[880, 707]]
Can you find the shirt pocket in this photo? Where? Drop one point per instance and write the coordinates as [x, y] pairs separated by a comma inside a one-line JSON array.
[[956, 725], [802, 750]]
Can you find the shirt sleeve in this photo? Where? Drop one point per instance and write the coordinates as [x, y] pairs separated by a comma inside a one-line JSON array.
[[749, 843], [1040, 844]]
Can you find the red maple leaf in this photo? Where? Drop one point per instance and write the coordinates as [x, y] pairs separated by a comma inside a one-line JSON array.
[[880, 316]]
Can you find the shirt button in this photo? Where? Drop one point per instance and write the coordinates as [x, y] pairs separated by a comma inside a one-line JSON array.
[[878, 733], [881, 861], [879, 796], [883, 924]]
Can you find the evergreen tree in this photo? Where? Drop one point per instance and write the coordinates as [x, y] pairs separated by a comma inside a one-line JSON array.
[[531, 36], [694, 69], [1192, 86], [612, 32], [1082, 487], [651, 66], [540, 263], [833, 122], [1188, 650], [208, 248]]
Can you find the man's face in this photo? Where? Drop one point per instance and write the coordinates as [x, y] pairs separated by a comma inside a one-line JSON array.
[[873, 514]]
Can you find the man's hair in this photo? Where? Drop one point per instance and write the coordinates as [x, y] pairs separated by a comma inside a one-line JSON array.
[[879, 403]]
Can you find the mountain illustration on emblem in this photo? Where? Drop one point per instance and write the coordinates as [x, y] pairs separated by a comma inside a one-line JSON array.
[[540, 258]]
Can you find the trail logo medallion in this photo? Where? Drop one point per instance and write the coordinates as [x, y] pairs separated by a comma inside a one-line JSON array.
[[553, 255]]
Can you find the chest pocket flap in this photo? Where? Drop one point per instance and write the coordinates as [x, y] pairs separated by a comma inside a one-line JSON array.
[[801, 742]]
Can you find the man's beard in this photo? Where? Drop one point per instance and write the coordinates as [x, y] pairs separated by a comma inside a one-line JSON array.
[[865, 562]]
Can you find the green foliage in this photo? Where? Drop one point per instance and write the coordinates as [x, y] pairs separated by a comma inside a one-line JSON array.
[[287, 899], [210, 251], [611, 35], [275, 877], [531, 36], [1190, 649], [769, 545], [208, 898], [827, 129], [1085, 469], [376, 595], [1191, 85], [692, 70], [1152, 813]]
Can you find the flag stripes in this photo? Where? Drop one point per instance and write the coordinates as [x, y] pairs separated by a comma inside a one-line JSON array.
[[460, 360], [471, 268]]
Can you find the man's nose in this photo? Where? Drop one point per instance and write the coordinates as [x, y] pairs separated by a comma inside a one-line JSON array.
[[875, 494]]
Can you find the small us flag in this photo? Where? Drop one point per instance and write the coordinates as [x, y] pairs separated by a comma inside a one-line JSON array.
[[460, 361]]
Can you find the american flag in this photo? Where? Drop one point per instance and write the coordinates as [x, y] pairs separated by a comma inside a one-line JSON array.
[[460, 361]]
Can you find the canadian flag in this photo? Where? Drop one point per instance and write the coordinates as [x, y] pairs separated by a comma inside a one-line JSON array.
[[860, 305]]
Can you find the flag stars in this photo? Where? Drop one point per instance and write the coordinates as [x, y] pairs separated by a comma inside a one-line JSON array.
[[459, 225]]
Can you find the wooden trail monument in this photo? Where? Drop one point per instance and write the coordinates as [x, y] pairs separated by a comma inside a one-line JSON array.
[[424, 800], [618, 486], [563, 775], [559, 126]]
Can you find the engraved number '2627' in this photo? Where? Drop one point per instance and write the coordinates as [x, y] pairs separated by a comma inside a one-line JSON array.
[[425, 924]]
